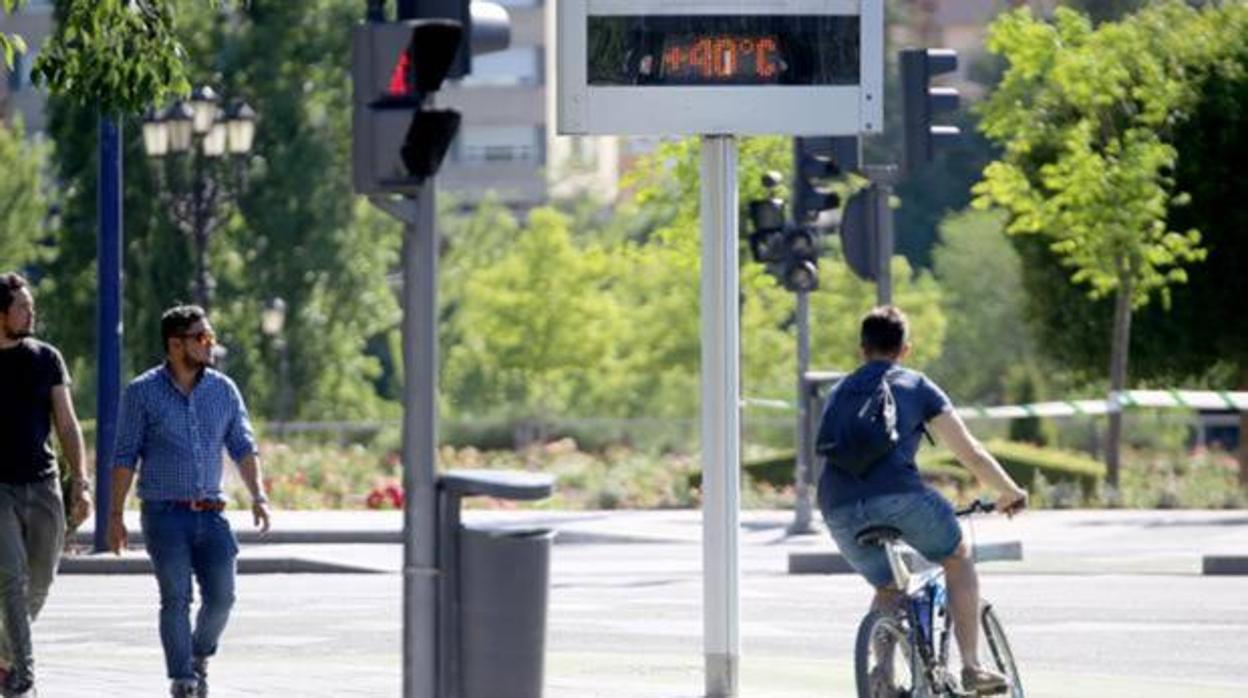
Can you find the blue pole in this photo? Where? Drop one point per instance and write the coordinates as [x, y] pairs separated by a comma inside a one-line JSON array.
[[108, 321]]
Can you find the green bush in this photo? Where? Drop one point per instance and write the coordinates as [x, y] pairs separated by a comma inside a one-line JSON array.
[[1022, 461]]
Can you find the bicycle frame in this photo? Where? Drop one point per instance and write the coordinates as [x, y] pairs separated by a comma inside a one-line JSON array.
[[925, 601]]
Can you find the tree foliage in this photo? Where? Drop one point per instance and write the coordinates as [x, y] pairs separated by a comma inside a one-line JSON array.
[[980, 279], [1084, 116], [604, 320], [1191, 341], [23, 201], [298, 234]]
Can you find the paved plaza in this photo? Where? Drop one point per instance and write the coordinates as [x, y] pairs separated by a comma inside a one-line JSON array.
[[1103, 604]]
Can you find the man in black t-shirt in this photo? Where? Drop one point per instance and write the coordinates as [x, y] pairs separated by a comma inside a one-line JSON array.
[[35, 397]]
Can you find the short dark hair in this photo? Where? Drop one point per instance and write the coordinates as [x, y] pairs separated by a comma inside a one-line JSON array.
[[884, 331], [10, 284], [177, 320]]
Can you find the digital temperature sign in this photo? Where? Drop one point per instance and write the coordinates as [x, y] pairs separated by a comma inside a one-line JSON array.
[[676, 67], [723, 50]]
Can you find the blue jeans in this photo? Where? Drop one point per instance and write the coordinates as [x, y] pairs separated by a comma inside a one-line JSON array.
[[926, 521], [181, 543], [32, 533]]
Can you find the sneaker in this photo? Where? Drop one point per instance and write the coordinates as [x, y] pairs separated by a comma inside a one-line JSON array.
[[984, 682], [200, 665], [183, 689]]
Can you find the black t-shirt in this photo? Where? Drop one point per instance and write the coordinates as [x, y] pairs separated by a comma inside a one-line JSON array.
[[28, 372]]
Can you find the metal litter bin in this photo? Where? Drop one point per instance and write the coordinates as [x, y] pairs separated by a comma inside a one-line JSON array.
[[493, 595]]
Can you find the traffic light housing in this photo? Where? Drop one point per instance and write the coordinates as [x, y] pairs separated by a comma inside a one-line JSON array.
[[800, 270], [396, 142], [920, 101], [814, 162], [790, 251], [767, 239], [487, 28]]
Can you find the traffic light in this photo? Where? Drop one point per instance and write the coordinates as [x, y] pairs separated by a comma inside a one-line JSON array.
[[487, 28], [814, 162], [790, 251], [767, 240], [396, 142], [800, 270], [920, 101]]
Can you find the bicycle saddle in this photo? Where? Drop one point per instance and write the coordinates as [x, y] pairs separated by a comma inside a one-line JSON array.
[[877, 535]]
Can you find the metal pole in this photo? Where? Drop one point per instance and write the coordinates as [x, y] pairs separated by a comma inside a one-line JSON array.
[[801, 471], [108, 320], [721, 405], [420, 362], [883, 177]]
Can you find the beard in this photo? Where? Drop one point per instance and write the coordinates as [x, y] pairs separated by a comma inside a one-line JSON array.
[[21, 333]]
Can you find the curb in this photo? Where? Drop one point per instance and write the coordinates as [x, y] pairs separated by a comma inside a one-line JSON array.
[[111, 564], [835, 563], [1224, 565], [386, 537]]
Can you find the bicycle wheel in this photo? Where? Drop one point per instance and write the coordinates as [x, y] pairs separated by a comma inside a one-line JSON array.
[[886, 663], [999, 648]]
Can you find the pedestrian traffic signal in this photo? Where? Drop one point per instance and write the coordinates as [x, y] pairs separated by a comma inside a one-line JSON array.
[[396, 142], [486, 28], [920, 101], [814, 162]]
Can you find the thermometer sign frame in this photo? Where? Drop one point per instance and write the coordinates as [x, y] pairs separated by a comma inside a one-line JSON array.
[[683, 67]]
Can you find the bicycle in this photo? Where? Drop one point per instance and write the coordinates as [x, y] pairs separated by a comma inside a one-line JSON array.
[[904, 653]]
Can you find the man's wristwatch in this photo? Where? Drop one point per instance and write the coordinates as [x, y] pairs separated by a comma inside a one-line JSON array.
[[81, 483], [260, 499]]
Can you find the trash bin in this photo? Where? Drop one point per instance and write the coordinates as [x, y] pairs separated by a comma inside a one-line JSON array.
[[503, 580], [493, 593]]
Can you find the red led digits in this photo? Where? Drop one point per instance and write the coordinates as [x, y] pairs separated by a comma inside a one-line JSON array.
[[765, 58], [722, 58]]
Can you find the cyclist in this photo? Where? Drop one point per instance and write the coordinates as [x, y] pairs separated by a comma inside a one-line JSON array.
[[891, 492]]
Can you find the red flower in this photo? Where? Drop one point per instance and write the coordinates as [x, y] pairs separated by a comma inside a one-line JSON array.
[[375, 500], [395, 493]]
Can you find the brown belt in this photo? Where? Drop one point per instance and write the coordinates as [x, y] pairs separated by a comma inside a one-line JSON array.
[[202, 504]]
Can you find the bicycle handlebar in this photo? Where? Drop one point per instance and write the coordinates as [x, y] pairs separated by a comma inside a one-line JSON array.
[[979, 506]]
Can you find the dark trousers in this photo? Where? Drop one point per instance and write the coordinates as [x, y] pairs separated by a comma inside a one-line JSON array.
[[182, 544], [32, 534]]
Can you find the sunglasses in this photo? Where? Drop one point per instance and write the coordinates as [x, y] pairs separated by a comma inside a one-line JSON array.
[[205, 338]]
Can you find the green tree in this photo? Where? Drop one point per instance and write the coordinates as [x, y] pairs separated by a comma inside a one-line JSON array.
[[10, 44], [23, 202], [298, 233], [1192, 342], [1084, 115], [980, 277], [534, 325]]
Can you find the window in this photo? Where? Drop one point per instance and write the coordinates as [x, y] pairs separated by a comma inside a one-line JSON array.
[[478, 145], [517, 66]]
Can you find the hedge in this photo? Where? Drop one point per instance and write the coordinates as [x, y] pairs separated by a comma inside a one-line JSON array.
[[1022, 461]]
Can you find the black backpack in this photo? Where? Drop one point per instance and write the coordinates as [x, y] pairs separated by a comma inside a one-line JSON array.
[[859, 425]]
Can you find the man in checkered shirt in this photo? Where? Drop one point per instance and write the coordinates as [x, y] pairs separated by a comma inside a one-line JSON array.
[[176, 420]]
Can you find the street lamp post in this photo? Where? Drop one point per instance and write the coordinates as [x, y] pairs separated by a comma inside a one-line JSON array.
[[193, 139], [272, 324]]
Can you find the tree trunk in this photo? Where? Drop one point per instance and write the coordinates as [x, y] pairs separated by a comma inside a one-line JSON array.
[[1243, 433], [1119, 351]]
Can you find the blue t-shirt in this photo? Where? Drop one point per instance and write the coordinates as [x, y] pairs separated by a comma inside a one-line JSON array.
[[918, 400]]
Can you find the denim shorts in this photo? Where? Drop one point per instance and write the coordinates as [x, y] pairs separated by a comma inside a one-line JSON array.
[[925, 519]]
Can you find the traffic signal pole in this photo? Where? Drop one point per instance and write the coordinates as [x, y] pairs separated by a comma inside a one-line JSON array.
[[882, 178], [803, 462], [420, 365]]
